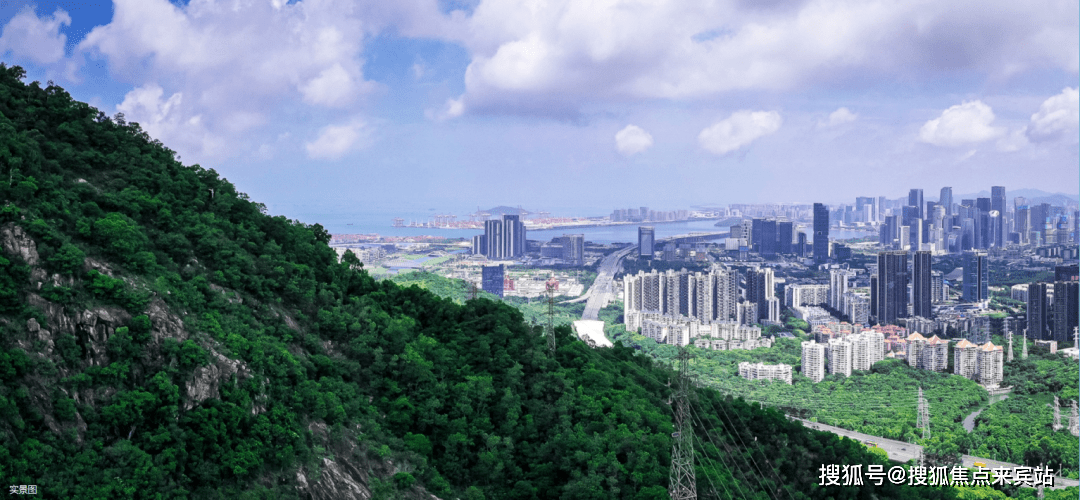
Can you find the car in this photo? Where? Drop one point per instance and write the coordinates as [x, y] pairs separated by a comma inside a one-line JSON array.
[[903, 449], [979, 464]]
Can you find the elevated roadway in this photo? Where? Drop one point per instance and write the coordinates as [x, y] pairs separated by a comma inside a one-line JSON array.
[[602, 292]]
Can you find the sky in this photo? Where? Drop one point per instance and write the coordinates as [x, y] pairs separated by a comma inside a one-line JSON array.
[[578, 105]]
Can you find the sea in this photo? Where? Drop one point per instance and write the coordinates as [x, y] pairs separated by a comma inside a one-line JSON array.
[[346, 218]]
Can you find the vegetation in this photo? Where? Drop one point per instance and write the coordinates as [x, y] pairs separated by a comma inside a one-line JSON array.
[[229, 352]]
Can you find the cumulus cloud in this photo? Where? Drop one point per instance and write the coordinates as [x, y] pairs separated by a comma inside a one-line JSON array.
[[839, 117], [1057, 115], [236, 63], [166, 117], [37, 39], [632, 140], [738, 130], [334, 141], [965, 123], [566, 53]]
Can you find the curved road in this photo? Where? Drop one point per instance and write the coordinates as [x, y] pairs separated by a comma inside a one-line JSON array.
[[602, 291]]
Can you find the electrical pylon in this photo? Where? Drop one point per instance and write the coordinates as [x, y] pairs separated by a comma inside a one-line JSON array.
[[550, 287], [923, 419], [1074, 421], [1023, 353], [1057, 415], [1010, 347], [682, 484]]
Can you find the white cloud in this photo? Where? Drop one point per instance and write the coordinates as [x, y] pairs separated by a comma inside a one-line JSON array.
[[26, 36], [164, 118], [965, 123], [632, 140], [1057, 115], [566, 54], [839, 117], [238, 63], [452, 109], [334, 141], [738, 130]]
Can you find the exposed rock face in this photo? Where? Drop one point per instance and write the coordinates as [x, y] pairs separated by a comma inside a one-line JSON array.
[[163, 324], [16, 242], [337, 481], [207, 380]]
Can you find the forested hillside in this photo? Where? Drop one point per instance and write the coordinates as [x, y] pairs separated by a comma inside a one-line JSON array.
[[163, 337]]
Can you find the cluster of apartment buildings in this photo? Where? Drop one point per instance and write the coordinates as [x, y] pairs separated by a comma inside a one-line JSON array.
[[762, 371], [857, 351], [983, 364]]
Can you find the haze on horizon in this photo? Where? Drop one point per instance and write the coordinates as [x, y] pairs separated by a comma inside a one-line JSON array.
[[578, 104]]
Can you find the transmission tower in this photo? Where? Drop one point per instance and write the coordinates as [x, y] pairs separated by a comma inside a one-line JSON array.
[[1057, 415], [1024, 351], [472, 291], [923, 419], [1074, 421], [682, 484], [1010, 347], [550, 286]]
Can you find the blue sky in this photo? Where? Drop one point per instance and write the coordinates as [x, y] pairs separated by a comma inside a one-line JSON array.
[[561, 104]]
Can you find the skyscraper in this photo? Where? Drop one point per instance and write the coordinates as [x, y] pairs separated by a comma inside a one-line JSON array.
[[645, 237], [997, 202], [768, 237], [975, 277], [921, 285], [1065, 309], [946, 200], [892, 281], [1022, 221], [813, 360], [784, 230], [492, 279], [915, 199], [505, 237], [821, 232], [1038, 312]]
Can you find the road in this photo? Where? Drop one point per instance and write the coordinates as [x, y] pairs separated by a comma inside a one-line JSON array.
[[602, 291], [902, 452]]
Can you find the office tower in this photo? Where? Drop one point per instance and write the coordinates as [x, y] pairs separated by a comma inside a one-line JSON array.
[[994, 228], [821, 232], [997, 202], [1065, 309], [975, 277], [646, 237], [880, 208], [479, 245], [760, 290], [945, 200], [756, 234], [1038, 312], [573, 248], [813, 360], [866, 207], [983, 204], [873, 295], [892, 281], [909, 213], [768, 239], [1040, 214], [840, 357], [801, 246], [492, 279], [505, 237], [915, 199], [1022, 221], [1068, 272], [915, 234], [921, 285], [890, 235], [784, 233]]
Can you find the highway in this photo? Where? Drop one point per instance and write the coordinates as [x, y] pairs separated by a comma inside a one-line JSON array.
[[602, 291], [902, 452]]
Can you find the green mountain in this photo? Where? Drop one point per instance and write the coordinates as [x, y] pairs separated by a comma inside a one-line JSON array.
[[162, 337]]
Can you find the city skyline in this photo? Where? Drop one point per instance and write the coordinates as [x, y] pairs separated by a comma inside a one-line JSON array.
[[445, 103]]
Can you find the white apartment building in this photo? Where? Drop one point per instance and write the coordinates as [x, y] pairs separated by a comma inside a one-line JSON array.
[[840, 351], [868, 348], [761, 371], [813, 360], [806, 295]]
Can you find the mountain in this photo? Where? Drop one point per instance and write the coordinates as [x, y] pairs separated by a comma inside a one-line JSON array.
[[163, 337]]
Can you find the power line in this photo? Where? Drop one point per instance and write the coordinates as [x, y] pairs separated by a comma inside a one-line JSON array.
[[682, 484]]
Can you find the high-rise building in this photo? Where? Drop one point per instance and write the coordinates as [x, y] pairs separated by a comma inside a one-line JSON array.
[[646, 237], [784, 232], [991, 361], [839, 283], [937, 287], [946, 200], [760, 290], [813, 360], [922, 288], [975, 277], [1039, 217], [1068, 272], [840, 357], [1022, 221], [915, 199], [892, 281], [768, 239], [505, 237], [997, 202], [927, 354], [821, 232], [1065, 309], [966, 359], [479, 245], [492, 279], [1038, 312], [890, 232], [867, 348], [573, 248]]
